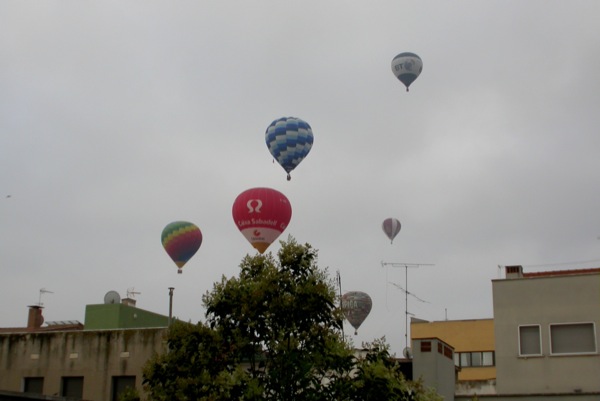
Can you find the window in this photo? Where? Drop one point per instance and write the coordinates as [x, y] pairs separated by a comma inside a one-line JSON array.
[[465, 359], [72, 387], [488, 358], [474, 359], [33, 385], [448, 352], [530, 342], [425, 346], [119, 384], [572, 338]]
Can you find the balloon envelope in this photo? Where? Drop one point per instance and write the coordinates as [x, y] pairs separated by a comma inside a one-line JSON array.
[[356, 306], [261, 214], [391, 228], [407, 67], [289, 140], [181, 240]]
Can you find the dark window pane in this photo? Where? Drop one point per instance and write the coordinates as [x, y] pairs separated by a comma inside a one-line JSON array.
[[448, 352], [72, 387], [33, 385], [120, 383], [475, 358]]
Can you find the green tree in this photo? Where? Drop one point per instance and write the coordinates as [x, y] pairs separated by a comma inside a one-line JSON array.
[[272, 333], [378, 377], [129, 394]]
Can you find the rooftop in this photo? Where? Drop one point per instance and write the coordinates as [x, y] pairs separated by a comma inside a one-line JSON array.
[[562, 272]]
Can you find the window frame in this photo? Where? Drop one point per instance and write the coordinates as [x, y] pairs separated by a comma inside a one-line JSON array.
[[521, 354], [553, 353], [468, 355]]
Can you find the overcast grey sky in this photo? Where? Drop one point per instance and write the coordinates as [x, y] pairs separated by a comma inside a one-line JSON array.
[[117, 118]]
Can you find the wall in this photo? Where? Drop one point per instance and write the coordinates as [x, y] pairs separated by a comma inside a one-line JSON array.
[[545, 300], [435, 366], [95, 355], [120, 316]]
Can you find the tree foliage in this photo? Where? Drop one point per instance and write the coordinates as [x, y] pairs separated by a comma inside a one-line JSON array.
[[272, 333]]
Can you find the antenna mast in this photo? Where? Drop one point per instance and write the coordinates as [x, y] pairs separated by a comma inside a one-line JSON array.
[[406, 266], [338, 278], [131, 293], [43, 291]]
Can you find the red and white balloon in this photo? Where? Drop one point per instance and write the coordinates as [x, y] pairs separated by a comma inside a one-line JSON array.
[[261, 214]]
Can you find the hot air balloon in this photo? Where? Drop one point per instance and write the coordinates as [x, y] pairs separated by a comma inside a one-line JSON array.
[[289, 140], [181, 240], [391, 228], [261, 214], [407, 67], [356, 306]]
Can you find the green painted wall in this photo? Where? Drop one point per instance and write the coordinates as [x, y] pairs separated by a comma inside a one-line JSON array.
[[119, 316]]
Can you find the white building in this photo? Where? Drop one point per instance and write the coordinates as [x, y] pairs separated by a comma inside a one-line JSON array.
[[546, 334]]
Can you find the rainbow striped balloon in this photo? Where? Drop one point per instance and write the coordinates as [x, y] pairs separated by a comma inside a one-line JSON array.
[[181, 240]]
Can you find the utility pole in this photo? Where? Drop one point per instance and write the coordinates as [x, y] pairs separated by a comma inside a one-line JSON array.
[[406, 266]]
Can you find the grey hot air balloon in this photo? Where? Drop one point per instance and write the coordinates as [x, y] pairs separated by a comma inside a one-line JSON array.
[[391, 228], [356, 306]]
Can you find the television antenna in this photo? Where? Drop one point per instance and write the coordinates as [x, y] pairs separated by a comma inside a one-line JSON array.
[[405, 290], [43, 291], [131, 293], [338, 279]]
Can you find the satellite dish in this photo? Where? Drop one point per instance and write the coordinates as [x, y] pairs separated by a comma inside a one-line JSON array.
[[407, 353], [112, 297]]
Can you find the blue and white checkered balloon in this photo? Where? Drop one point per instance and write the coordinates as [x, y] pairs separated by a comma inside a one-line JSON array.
[[289, 140]]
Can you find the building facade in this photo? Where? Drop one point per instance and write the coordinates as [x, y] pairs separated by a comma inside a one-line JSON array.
[[90, 365], [474, 351], [92, 362], [546, 333], [473, 343]]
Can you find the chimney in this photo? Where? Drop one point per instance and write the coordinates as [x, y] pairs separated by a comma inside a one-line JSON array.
[[514, 271], [35, 318], [128, 301]]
